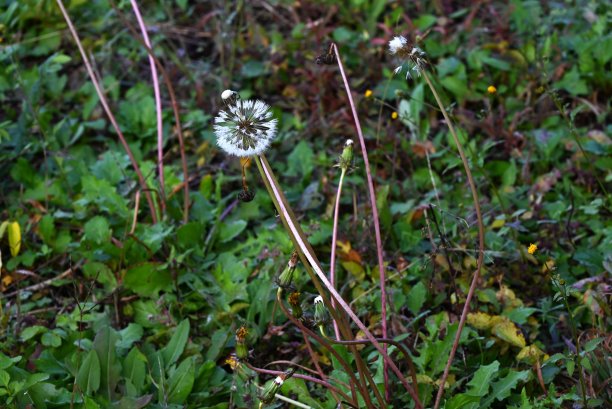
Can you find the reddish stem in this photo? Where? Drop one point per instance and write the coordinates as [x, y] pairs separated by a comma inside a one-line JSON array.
[[332, 262], [158, 107], [372, 193], [109, 113]]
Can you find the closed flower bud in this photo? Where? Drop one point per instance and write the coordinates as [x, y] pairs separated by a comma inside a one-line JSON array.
[[286, 277], [270, 390], [346, 159], [242, 350], [320, 315], [294, 302]]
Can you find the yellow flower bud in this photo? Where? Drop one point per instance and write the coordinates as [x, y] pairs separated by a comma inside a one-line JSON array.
[[394, 115], [14, 237], [368, 93], [491, 89]]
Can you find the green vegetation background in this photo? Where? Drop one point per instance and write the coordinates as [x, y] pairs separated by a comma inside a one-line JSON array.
[[144, 315]]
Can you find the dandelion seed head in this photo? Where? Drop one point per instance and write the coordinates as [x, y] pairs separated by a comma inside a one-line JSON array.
[[318, 300], [397, 44], [245, 128]]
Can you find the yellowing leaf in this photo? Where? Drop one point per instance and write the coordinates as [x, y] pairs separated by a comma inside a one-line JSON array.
[[482, 320], [14, 237], [531, 354], [498, 223], [355, 269], [508, 332]]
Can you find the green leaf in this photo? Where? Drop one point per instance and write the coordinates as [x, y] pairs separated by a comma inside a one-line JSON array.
[[31, 332], [97, 230], [416, 297], [229, 230], [172, 352], [134, 372], [147, 280], [110, 369], [501, 389], [301, 160], [461, 401], [181, 381], [88, 377], [482, 379]]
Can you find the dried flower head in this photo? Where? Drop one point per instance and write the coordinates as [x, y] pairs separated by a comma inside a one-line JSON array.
[[413, 57], [245, 128]]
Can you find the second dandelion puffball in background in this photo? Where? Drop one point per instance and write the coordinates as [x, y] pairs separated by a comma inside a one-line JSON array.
[[244, 128]]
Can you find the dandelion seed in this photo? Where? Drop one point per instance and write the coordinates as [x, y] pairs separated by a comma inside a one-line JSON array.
[[397, 44], [412, 56], [532, 248], [368, 93], [491, 89], [245, 128]]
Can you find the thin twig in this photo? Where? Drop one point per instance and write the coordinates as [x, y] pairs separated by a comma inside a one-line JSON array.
[[108, 111], [372, 194], [45, 283], [158, 107]]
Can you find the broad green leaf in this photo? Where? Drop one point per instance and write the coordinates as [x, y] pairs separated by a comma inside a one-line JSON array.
[[31, 332], [298, 387], [134, 372], [88, 377], [181, 381], [147, 280], [416, 297], [501, 389], [176, 346], [110, 369], [97, 230], [479, 385], [229, 230], [461, 401]]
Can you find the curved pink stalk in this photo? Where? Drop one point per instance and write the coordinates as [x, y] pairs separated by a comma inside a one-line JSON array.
[[379, 248], [109, 113], [332, 262], [158, 105], [298, 235]]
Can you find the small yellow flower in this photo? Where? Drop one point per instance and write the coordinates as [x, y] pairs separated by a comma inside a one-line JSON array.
[[491, 89], [368, 93], [532, 248], [394, 115]]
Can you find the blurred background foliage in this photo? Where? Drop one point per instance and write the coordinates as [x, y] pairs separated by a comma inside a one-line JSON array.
[[98, 311]]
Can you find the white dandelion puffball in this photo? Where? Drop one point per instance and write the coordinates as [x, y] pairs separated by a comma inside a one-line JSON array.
[[244, 128], [397, 44], [318, 300]]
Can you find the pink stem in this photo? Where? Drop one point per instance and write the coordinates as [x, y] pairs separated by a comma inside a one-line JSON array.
[[158, 104], [332, 262], [379, 248], [109, 113], [297, 234]]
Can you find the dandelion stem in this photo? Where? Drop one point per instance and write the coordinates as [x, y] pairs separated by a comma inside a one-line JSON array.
[[372, 194], [468, 172], [332, 262]]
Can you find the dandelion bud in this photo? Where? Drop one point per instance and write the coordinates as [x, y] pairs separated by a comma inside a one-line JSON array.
[[242, 350], [271, 388], [245, 128], [286, 277], [294, 302], [346, 159], [320, 315]]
